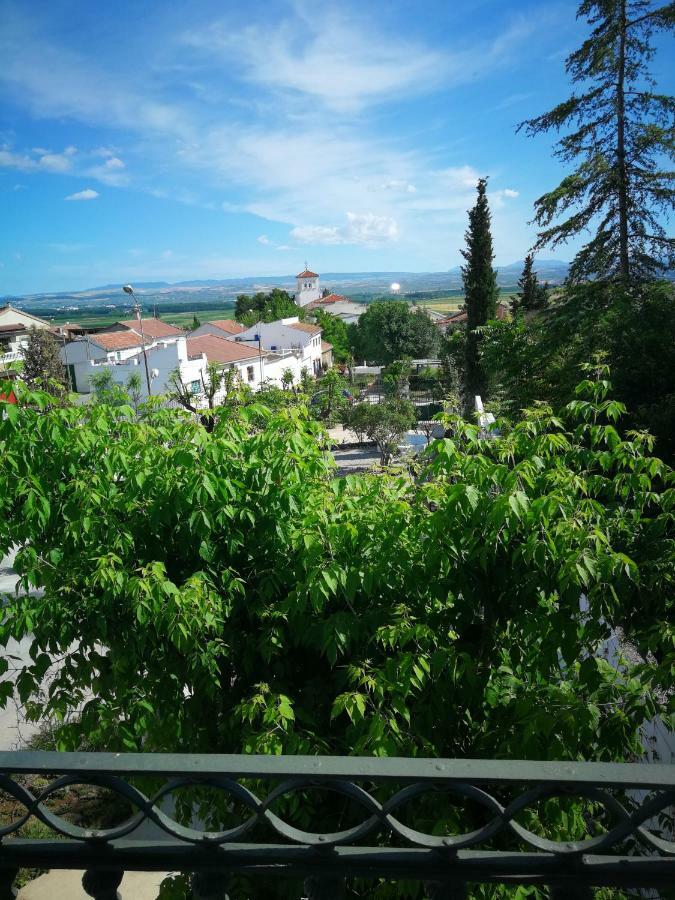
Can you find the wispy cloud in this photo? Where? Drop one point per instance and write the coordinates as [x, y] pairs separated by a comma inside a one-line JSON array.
[[303, 147], [365, 229], [86, 194], [338, 63], [37, 160]]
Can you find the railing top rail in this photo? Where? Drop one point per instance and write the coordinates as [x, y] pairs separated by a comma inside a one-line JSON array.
[[400, 769]]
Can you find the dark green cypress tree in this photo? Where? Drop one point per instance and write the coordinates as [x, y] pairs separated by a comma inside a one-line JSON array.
[[532, 294], [480, 292], [619, 132]]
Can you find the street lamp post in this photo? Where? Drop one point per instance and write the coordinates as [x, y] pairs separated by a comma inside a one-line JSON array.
[[127, 288]]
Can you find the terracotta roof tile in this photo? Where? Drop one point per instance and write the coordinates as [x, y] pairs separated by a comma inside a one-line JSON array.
[[306, 274], [116, 340], [325, 301], [306, 327], [153, 328], [325, 346], [228, 325], [218, 349]]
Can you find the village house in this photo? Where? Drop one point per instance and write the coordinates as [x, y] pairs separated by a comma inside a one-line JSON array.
[[15, 325], [288, 337], [123, 354], [224, 328], [338, 306], [459, 319]]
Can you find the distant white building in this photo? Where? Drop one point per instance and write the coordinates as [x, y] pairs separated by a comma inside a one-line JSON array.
[[287, 337], [14, 331], [338, 306], [307, 287]]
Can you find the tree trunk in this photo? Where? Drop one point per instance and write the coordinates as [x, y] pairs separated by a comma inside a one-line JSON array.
[[621, 174]]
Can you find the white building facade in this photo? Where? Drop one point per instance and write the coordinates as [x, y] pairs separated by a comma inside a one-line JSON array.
[[90, 355], [307, 287], [287, 336], [14, 332]]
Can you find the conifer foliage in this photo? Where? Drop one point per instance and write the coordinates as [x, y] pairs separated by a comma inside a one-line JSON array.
[[480, 288], [42, 361], [532, 295], [619, 133]]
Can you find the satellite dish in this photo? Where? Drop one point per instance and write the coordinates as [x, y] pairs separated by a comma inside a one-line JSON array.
[[395, 287], [127, 288]]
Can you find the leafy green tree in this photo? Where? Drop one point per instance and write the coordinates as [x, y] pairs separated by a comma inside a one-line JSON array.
[[262, 307], [42, 361], [106, 390], [481, 292], [386, 424], [214, 382], [134, 389], [396, 378], [532, 295], [222, 592], [620, 134], [389, 330], [330, 396], [632, 330], [287, 379], [196, 323], [334, 330]]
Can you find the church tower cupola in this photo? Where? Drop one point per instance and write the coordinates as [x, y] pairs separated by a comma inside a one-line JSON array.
[[306, 287]]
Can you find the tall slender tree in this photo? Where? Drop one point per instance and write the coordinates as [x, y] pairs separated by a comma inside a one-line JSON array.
[[532, 295], [42, 361], [619, 134], [480, 290]]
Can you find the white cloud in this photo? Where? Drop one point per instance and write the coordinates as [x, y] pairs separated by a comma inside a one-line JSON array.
[[263, 239], [41, 160], [498, 198], [398, 184], [114, 163], [86, 194], [55, 162], [110, 172], [366, 229], [345, 65]]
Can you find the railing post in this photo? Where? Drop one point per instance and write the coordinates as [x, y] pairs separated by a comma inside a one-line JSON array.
[[102, 884], [446, 890], [329, 887], [7, 891], [209, 886]]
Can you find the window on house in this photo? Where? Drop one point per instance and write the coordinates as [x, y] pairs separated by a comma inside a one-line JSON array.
[[249, 373], [195, 386]]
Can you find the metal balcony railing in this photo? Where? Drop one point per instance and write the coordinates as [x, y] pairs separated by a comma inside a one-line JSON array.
[[628, 840]]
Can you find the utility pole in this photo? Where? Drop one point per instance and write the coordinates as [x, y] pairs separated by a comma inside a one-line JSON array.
[[127, 288]]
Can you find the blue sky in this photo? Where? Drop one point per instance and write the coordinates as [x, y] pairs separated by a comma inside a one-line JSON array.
[[154, 140]]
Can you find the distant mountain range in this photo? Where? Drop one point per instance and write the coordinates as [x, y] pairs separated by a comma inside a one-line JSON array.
[[360, 285]]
